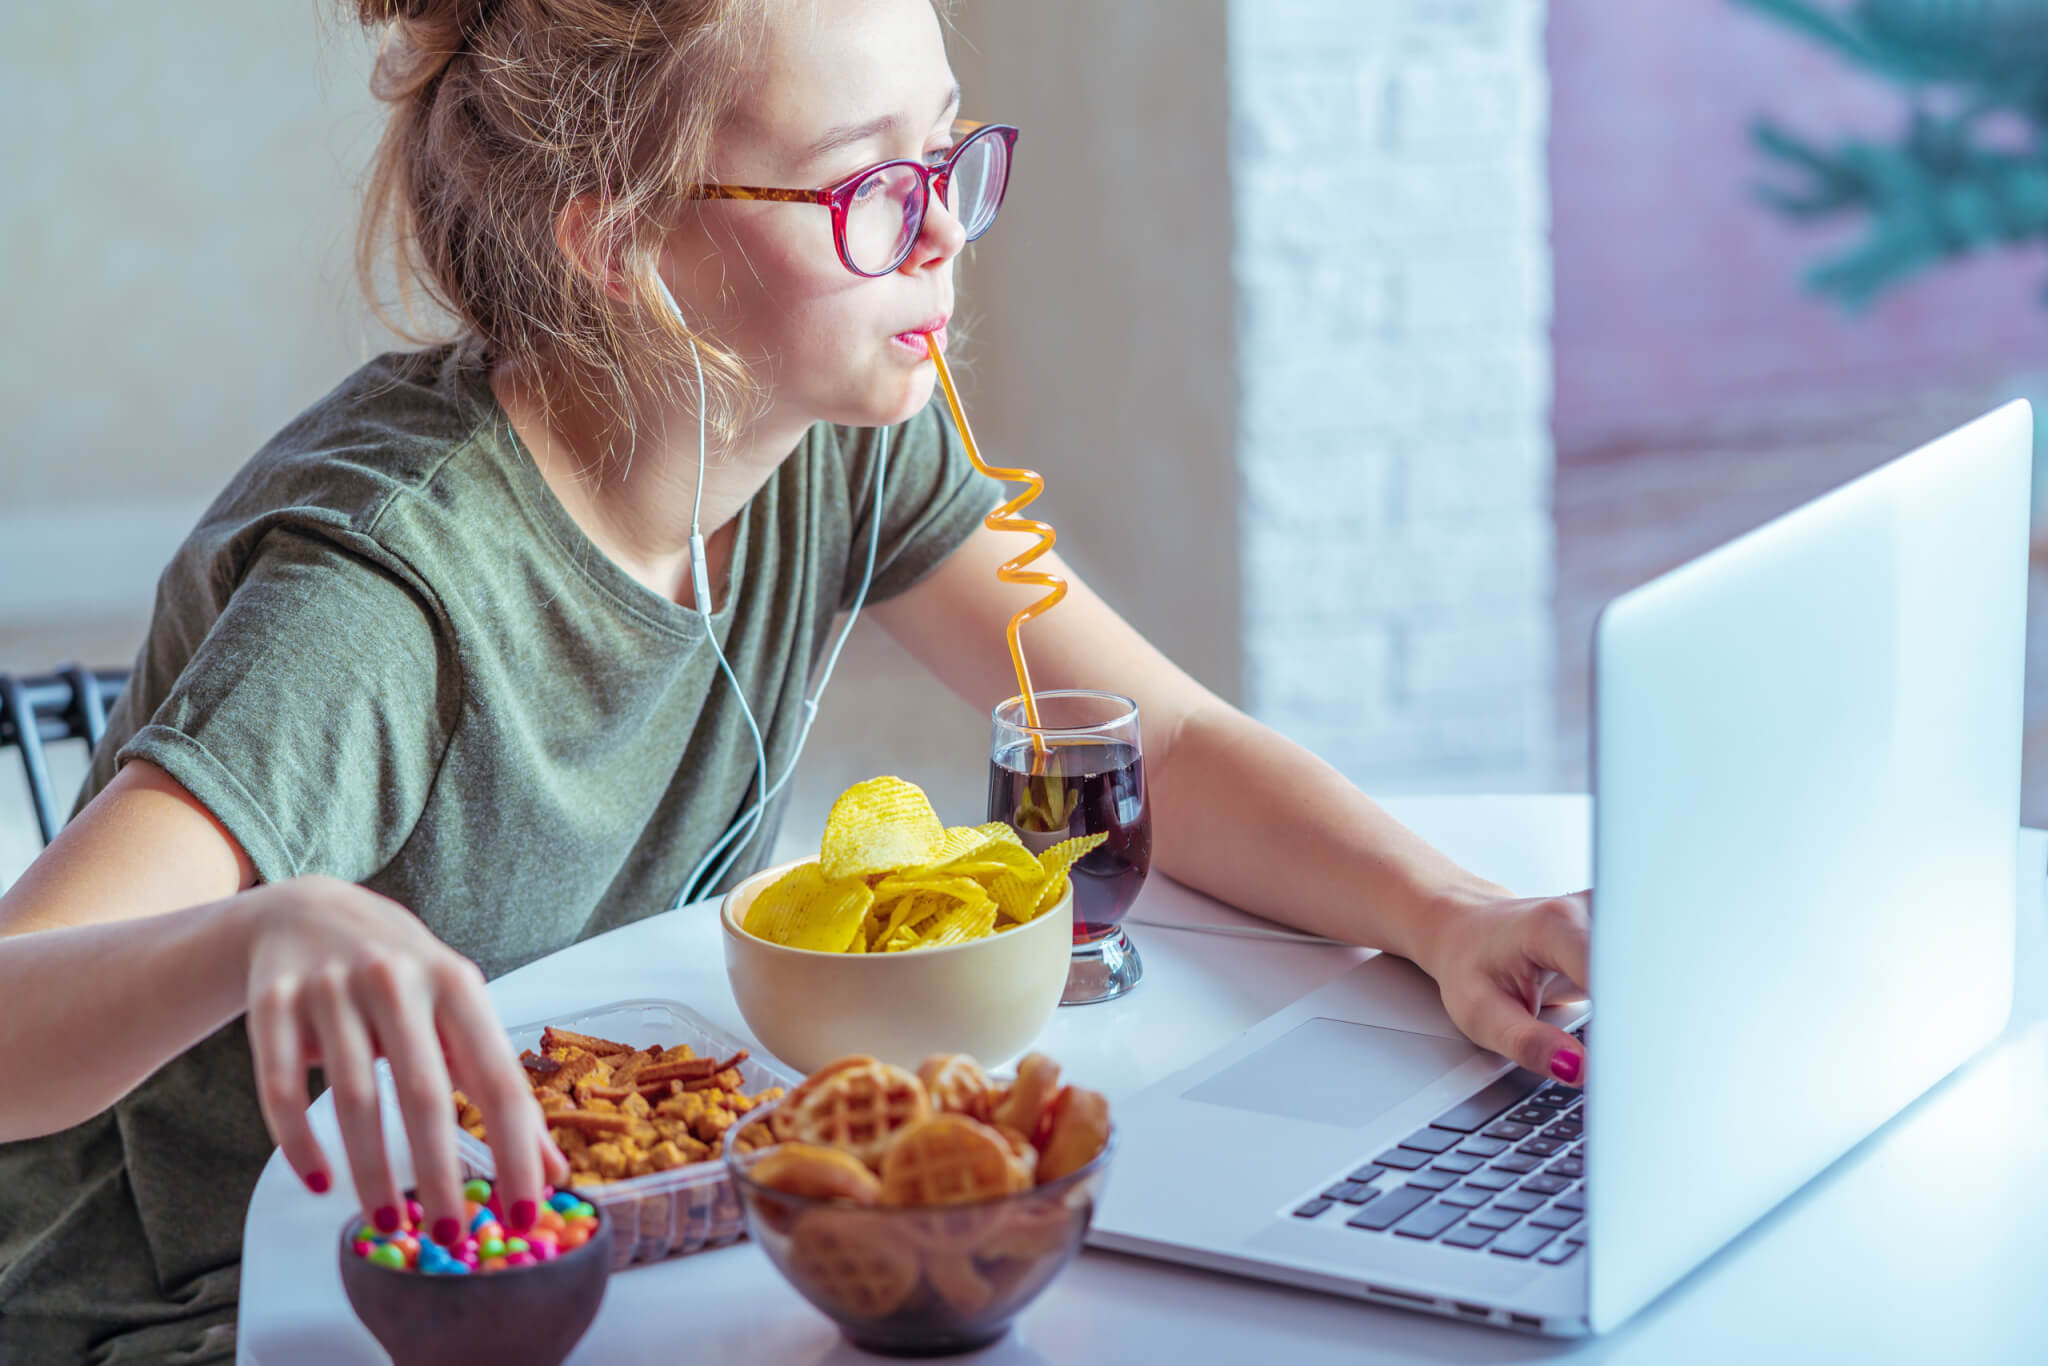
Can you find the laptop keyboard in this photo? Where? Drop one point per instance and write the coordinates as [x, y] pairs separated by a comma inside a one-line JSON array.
[[1503, 1172]]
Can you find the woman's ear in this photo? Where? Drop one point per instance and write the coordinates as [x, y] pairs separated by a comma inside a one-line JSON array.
[[596, 249]]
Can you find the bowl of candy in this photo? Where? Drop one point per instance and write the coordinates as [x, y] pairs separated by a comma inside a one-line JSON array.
[[923, 1211], [903, 937], [510, 1300]]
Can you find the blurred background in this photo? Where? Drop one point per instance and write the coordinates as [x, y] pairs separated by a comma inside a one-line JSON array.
[[1366, 348]]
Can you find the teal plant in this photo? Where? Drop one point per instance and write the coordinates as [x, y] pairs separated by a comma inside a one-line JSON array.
[[1969, 169]]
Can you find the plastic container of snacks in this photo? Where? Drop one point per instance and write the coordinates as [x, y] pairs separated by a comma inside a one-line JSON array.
[[667, 1213]]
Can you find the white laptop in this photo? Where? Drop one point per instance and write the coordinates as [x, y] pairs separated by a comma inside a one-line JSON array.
[[1806, 763]]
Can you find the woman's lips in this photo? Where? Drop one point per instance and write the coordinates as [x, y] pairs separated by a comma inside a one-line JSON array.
[[914, 340]]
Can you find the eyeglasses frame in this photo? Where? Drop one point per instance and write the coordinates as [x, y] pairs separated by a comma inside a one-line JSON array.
[[838, 196]]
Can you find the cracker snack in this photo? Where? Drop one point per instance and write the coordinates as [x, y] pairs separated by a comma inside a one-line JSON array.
[[617, 1111]]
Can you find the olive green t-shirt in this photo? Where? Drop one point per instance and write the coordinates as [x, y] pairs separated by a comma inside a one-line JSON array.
[[388, 654]]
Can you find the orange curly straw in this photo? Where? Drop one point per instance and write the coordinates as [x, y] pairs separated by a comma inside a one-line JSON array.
[[1011, 570]]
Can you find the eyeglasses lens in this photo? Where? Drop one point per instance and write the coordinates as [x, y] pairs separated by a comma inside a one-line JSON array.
[[887, 209], [884, 215], [976, 188]]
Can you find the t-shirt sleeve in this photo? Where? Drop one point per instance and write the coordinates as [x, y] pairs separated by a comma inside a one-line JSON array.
[[932, 500], [313, 716]]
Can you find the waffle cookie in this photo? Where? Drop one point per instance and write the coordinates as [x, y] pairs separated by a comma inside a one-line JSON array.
[[859, 1108], [949, 1160]]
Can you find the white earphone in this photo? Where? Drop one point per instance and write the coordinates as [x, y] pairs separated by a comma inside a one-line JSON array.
[[748, 822]]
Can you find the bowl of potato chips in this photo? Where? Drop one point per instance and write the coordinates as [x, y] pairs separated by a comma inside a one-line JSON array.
[[903, 938]]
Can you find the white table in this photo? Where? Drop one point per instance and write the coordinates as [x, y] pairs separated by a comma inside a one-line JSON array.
[[1927, 1243]]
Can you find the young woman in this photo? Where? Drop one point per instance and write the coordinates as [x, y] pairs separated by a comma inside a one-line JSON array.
[[431, 690]]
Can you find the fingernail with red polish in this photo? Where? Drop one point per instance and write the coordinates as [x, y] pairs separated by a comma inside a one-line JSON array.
[[523, 1215], [447, 1231], [1564, 1065], [316, 1182], [387, 1219]]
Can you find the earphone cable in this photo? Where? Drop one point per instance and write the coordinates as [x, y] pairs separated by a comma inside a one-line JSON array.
[[701, 588], [810, 704], [749, 822]]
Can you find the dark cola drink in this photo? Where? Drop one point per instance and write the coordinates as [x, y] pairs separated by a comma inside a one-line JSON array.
[[1081, 787]]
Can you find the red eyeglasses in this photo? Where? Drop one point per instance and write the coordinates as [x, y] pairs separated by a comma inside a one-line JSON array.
[[878, 212]]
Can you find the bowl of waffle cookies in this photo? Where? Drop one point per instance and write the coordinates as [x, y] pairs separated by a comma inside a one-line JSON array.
[[922, 1211], [903, 936]]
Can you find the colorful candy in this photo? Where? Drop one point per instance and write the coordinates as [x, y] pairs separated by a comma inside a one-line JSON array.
[[564, 1224]]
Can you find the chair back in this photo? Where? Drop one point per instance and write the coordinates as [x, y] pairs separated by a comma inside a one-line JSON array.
[[70, 704]]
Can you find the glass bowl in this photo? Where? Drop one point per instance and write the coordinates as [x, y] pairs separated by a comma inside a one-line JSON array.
[[925, 1280]]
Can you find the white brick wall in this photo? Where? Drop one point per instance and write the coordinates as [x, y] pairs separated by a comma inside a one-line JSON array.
[[1393, 277]]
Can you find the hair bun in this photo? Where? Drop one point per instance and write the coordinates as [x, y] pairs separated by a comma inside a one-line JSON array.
[[443, 15], [421, 38]]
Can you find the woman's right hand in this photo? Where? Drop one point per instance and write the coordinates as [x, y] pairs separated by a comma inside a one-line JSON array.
[[339, 976]]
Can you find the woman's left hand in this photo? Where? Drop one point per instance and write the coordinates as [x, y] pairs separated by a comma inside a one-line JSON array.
[[1498, 959]]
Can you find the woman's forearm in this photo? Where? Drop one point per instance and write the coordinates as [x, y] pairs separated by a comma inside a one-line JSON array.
[[1247, 816], [88, 1012]]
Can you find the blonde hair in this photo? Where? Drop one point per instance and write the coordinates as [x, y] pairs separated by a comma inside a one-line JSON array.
[[505, 111]]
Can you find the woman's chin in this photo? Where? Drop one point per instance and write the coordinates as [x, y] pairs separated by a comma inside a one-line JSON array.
[[893, 403]]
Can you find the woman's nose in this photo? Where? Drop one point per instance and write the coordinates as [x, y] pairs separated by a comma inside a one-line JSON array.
[[940, 239]]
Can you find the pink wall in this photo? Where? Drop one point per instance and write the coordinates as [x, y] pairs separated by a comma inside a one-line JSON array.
[[1679, 307]]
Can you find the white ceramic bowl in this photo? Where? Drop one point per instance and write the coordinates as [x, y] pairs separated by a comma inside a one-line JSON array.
[[988, 998]]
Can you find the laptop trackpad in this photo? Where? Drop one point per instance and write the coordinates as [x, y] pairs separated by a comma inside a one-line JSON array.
[[1334, 1072]]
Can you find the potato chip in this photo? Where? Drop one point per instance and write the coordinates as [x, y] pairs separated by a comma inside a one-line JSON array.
[[903, 939], [960, 925], [879, 826], [970, 850], [894, 925], [996, 860], [923, 914], [956, 888], [806, 910], [890, 878], [1025, 898], [888, 917], [1056, 861], [1067, 853], [1016, 896], [916, 929], [958, 842]]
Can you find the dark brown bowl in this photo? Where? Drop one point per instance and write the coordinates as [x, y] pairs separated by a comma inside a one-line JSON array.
[[525, 1316]]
